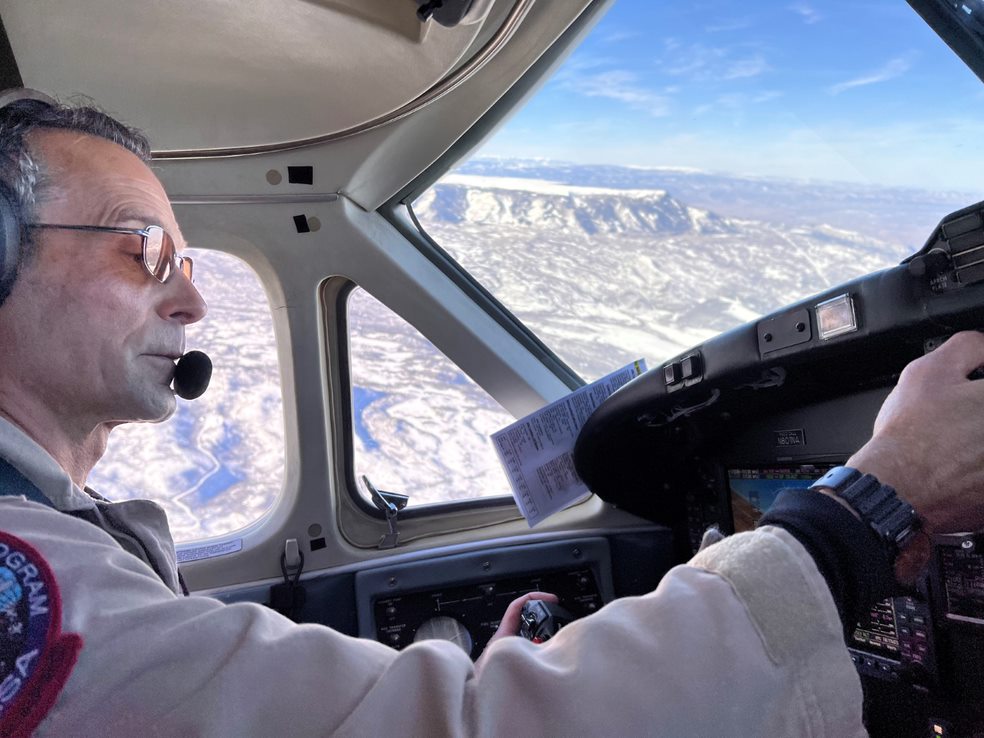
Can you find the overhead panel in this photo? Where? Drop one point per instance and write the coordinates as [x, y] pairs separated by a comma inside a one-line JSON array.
[[227, 73]]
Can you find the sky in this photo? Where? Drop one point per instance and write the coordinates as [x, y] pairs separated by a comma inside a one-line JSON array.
[[843, 91]]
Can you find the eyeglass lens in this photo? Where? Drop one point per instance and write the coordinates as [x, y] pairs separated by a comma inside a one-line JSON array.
[[157, 262], [160, 255]]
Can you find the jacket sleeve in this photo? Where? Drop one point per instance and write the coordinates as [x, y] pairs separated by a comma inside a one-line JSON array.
[[744, 641]]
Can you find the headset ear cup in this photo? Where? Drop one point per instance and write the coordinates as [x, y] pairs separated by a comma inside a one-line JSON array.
[[12, 231], [10, 242]]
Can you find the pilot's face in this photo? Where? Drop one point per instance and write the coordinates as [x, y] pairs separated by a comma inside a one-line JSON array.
[[96, 333]]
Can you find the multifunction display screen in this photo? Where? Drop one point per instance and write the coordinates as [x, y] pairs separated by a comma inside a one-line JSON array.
[[963, 577], [877, 632], [753, 490]]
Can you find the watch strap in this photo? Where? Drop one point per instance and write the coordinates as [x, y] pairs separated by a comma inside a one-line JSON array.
[[893, 520]]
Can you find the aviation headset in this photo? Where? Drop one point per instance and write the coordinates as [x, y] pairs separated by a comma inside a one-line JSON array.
[[11, 228], [10, 238]]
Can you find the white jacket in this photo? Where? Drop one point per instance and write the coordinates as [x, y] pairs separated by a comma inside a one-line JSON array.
[[743, 641]]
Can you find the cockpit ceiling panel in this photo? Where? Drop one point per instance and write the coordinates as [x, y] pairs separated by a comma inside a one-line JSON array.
[[229, 73]]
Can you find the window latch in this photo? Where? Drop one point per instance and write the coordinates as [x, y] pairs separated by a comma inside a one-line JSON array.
[[390, 503], [289, 597]]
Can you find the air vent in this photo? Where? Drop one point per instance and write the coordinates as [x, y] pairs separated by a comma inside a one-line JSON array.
[[964, 239], [953, 257]]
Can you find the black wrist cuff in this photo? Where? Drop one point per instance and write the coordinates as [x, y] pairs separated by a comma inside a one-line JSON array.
[[854, 562]]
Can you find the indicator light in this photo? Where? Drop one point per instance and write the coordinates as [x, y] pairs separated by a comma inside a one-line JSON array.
[[836, 317]]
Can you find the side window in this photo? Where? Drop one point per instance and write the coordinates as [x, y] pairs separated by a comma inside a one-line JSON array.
[[419, 425], [218, 464]]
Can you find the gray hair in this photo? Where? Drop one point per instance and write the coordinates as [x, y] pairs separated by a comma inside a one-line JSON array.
[[23, 177]]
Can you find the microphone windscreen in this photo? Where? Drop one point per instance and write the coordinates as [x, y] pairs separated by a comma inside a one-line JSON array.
[[192, 374]]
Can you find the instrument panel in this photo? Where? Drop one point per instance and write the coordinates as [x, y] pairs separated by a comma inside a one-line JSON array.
[[462, 598], [468, 615], [921, 655], [777, 402], [924, 653], [894, 640]]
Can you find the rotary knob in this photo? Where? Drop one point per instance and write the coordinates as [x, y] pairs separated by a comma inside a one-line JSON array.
[[445, 628]]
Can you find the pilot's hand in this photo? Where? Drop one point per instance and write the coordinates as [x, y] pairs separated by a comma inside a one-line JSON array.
[[928, 440], [509, 625], [928, 443]]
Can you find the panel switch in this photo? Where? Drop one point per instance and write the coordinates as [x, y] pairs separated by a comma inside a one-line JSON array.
[[671, 373], [690, 366]]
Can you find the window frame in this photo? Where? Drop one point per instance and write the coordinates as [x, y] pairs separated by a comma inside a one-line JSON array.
[[250, 529], [340, 312], [398, 212]]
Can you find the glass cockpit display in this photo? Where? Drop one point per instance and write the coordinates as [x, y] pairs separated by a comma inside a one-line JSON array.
[[753, 490], [962, 570], [877, 632]]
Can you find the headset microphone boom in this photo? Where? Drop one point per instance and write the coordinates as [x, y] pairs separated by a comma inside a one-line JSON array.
[[192, 374]]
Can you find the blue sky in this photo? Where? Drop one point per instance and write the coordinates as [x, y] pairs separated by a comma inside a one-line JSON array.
[[852, 91]]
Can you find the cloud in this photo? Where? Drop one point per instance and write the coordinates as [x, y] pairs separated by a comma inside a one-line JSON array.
[[622, 86], [894, 68], [766, 95], [582, 62], [695, 61], [736, 101], [808, 13], [744, 68], [735, 24], [701, 63], [614, 37]]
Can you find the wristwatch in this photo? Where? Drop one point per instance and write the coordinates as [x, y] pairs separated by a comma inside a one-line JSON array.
[[892, 520]]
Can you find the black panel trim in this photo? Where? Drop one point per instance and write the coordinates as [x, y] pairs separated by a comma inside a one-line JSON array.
[[9, 73], [961, 41]]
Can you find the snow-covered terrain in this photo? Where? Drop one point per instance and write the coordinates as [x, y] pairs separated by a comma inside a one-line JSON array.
[[606, 275], [218, 464], [606, 264], [901, 215]]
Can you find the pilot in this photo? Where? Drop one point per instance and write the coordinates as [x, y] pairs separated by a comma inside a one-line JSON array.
[[97, 639]]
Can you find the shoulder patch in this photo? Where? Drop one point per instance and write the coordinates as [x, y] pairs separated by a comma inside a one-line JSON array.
[[36, 658]]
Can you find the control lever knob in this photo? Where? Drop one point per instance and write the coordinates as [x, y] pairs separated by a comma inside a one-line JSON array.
[[539, 621], [932, 263]]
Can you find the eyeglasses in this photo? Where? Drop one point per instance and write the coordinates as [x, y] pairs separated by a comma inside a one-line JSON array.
[[160, 257]]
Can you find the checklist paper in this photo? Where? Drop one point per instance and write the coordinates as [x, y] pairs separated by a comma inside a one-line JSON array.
[[537, 451]]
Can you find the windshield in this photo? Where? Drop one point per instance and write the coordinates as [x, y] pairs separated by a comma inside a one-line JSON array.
[[694, 166]]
